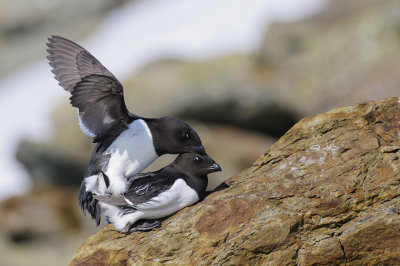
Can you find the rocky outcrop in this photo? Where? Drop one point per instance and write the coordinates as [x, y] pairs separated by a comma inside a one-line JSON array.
[[326, 193]]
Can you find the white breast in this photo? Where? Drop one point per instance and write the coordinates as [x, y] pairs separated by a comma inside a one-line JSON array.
[[180, 195], [130, 153]]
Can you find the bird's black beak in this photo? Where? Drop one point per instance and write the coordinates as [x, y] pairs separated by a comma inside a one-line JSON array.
[[215, 167], [199, 150]]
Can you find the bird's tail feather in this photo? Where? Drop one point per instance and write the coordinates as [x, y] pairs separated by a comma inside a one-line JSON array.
[[89, 204]]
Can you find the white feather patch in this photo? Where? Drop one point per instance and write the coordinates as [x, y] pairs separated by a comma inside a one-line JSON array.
[[108, 120], [95, 184], [84, 129], [128, 201], [117, 218], [91, 183], [130, 153]]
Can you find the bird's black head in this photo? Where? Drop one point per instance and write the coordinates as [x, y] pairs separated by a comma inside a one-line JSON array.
[[173, 135], [196, 165]]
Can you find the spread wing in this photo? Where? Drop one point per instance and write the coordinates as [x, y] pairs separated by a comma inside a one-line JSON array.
[[71, 62], [95, 91]]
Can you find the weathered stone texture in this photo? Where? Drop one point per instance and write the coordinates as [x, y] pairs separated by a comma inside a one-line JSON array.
[[326, 193]]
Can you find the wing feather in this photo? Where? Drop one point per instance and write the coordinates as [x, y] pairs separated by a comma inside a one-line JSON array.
[[70, 59], [143, 191], [95, 91]]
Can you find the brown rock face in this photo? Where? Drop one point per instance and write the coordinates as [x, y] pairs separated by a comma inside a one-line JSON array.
[[326, 193]]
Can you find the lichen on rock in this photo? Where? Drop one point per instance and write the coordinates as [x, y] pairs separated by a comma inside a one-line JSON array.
[[326, 193]]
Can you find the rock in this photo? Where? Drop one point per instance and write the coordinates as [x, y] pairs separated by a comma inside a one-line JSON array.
[[347, 54], [47, 223], [221, 90], [47, 164], [326, 193], [64, 157], [43, 213]]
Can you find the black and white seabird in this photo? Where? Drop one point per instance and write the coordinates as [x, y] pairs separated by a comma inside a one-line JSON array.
[[158, 194], [126, 143]]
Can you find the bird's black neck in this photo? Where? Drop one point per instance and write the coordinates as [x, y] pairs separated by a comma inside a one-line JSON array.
[[198, 183], [154, 126]]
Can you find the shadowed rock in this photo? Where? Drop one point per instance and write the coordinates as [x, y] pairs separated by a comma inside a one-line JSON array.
[[327, 192]]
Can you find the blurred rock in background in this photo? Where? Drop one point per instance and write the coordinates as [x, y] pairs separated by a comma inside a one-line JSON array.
[[219, 91], [25, 23], [239, 103], [346, 54], [43, 213], [42, 228]]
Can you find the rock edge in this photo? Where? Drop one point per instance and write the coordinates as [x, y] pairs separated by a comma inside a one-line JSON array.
[[327, 192]]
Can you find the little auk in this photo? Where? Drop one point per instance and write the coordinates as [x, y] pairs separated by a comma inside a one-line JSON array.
[[126, 143], [158, 194]]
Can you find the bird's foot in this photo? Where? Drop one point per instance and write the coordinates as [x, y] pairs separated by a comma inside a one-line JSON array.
[[145, 226]]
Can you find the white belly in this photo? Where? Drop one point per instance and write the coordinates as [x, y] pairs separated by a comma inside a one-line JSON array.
[[168, 202], [130, 154], [179, 196]]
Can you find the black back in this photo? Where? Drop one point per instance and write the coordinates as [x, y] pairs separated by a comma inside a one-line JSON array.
[[149, 186]]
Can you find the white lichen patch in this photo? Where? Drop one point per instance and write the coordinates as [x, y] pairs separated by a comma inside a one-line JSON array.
[[306, 160], [282, 166], [332, 148], [316, 154], [315, 147]]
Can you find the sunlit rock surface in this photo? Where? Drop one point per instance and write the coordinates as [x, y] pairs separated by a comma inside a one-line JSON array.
[[327, 192]]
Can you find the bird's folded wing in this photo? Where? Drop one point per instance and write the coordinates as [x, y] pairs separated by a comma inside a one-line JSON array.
[[148, 190], [163, 200], [131, 179]]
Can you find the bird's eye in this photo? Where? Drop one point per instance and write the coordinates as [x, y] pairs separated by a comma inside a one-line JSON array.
[[196, 159], [186, 136]]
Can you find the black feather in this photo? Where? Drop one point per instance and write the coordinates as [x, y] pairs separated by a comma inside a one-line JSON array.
[[95, 91], [106, 179]]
